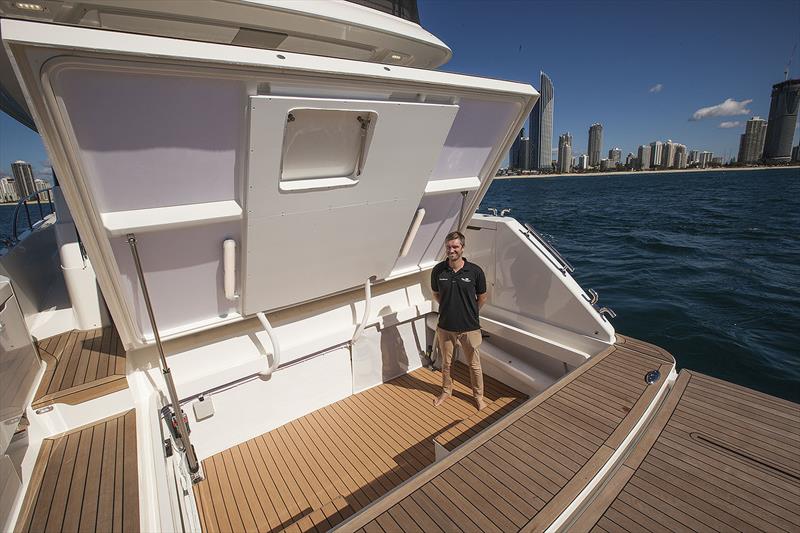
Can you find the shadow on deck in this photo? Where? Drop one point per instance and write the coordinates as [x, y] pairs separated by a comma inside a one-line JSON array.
[[81, 366]]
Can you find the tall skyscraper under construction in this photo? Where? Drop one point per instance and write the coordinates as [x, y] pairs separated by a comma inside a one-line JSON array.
[[782, 120], [541, 126]]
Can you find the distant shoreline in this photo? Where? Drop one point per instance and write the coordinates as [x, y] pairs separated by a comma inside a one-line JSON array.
[[29, 202], [642, 172]]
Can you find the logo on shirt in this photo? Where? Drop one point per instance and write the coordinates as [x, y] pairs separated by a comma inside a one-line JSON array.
[[465, 279]]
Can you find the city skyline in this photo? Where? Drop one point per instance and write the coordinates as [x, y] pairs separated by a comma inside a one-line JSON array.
[[607, 63], [762, 142]]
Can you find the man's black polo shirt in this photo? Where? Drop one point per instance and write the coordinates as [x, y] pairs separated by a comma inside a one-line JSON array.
[[458, 291]]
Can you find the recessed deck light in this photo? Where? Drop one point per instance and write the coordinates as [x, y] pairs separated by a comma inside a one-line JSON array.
[[28, 6]]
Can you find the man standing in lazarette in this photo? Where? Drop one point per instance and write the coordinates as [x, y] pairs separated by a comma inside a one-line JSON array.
[[460, 289]]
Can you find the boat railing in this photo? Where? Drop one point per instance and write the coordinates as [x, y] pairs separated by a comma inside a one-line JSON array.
[[32, 222], [560, 263]]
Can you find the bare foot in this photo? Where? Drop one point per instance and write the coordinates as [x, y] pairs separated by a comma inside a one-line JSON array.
[[442, 397], [481, 403]]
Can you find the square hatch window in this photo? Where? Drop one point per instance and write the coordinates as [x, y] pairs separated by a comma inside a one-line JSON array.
[[325, 148]]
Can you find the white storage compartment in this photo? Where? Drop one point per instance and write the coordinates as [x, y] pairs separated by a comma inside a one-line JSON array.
[[19, 364]]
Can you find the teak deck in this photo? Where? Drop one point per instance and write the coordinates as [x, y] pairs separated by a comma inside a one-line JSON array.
[[85, 480], [523, 472], [314, 472], [81, 366], [716, 457]]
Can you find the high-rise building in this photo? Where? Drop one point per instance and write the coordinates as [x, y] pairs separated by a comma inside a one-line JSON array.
[[564, 153], [595, 143], [796, 154], [644, 157], [671, 154], [583, 161], [541, 126], [41, 185], [23, 175], [705, 159], [525, 153], [751, 145], [8, 190], [607, 164], [666, 157], [681, 156], [656, 147], [615, 155], [514, 153], [694, 156], [630, 160], [782, 121]]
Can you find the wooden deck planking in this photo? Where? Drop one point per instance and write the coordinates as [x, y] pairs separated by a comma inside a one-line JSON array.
[[316, 471], [85, 480], [721, 457], [532, 464], [717, 456], [81, 366]]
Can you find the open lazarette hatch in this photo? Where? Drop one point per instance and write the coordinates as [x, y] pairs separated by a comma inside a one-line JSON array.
[[323, 172], [255, 181]]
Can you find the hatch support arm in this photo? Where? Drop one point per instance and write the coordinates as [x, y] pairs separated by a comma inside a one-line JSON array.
[[183, 427]]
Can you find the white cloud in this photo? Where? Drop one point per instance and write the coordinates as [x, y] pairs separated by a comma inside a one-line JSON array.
[[656, 88], [728, 108], [730, 124]]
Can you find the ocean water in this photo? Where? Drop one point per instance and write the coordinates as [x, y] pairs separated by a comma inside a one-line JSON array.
[[705, 265], [7, 219]]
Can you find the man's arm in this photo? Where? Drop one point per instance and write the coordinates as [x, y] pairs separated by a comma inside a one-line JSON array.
[[480, 289], [482, 299], [435, 285]]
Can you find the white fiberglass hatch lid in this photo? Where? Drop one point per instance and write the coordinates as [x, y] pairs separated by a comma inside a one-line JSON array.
[[325, 172]]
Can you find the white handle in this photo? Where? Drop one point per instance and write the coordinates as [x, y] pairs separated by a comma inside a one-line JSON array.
[[276, 349], [229, 268]]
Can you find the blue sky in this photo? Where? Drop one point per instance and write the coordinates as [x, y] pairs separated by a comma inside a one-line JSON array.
[[604, 58]]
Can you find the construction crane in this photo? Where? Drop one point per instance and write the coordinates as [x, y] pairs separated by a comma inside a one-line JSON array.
[[789, 63]]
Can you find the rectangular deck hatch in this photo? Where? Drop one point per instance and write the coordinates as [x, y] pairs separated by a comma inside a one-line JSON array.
[[320, 164]]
